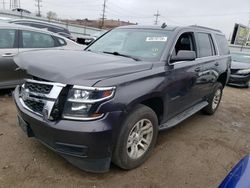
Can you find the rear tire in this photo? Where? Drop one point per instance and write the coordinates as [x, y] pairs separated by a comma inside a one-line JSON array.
[[214, 100], [136, 139]]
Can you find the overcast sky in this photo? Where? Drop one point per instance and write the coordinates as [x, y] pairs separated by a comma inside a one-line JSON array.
[[220, 14]]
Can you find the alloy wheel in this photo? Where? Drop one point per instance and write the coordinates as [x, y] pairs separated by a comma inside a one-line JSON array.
[[140, 138]]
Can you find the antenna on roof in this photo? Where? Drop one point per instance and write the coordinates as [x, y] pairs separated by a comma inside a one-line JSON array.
[[164, 25]]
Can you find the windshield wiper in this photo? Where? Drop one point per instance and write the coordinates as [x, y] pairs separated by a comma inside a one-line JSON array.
[[123, 55]]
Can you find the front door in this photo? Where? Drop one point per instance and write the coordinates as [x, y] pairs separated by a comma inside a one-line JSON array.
[[182, 78]]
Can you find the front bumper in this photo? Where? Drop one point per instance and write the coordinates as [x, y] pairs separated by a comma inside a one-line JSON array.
[[86, 144], [239, 80]]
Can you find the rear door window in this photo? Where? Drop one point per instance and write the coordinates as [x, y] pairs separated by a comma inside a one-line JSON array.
[[37, 40], [205, 45], [7, 38]]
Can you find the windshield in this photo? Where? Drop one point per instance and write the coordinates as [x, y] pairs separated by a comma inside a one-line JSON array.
[[143, 44], [244, 58]]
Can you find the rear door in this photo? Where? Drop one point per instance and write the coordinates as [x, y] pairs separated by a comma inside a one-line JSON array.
[[208, 57], [9, 77]]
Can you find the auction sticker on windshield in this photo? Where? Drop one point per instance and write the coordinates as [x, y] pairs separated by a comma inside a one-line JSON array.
[[156, 39]]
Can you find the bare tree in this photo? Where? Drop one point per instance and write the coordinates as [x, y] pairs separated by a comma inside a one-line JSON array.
[[51, 15]]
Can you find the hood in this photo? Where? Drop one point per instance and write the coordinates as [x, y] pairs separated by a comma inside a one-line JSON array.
[[77, 67], [240, 65]]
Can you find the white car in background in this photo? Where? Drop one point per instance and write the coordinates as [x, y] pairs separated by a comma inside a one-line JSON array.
[[15, 39]]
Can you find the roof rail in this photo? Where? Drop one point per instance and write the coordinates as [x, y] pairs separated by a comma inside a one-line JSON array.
[[202, 27]]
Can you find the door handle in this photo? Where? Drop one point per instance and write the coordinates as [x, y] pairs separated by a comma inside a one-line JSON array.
[[8, 55], [198, 69], [216, 64]]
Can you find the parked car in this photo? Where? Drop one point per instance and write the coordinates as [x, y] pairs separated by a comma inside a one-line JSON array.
[[45, 26], [240, 70], [108, 103], [239, 175], [15, 39], [21, 10], [89, 39]]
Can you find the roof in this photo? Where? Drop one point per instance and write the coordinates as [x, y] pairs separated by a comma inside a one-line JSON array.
[[17, 26], [37, 21], [171, 28]]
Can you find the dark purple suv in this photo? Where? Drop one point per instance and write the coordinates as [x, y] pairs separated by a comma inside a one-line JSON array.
[[108, 103]]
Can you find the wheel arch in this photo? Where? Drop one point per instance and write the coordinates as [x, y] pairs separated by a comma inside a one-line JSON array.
[[223, 78], [156, 103]]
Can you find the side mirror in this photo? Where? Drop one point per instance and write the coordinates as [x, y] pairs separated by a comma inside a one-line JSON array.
[[184, 55]]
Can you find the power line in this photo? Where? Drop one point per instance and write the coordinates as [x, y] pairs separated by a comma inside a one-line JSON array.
[[157, 15], [39, 5], [103, 14], [128, 11], [127, 15]]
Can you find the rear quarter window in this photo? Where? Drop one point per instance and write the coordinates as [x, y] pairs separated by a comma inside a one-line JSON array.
[[61, 42], [222, 44]]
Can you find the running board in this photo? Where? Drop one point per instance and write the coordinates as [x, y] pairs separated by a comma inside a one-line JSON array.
[[182, 116]]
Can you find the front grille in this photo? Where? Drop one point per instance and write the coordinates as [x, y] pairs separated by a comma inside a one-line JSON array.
[[41, 97], [38, 88], [34, 106], [234, 71]]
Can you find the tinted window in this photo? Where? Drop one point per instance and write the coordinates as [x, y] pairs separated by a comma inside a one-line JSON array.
[[7, 38], [37, 40], [222, 44], [205, 44]]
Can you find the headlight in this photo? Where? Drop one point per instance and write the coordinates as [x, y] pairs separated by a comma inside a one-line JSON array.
[[244, 71], [80, 101]]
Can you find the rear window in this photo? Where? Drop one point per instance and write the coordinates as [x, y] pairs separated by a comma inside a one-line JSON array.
[[7, 38], [222, 44], [205, 45], [241, 57]]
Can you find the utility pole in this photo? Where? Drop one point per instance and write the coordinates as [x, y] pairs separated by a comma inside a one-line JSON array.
[[10, 4], [39, 5], [15, 4], [103, 14], [157, 15], [4, 4], [249, 20]]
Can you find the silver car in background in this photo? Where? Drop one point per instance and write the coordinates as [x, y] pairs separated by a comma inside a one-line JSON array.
[[15, 39]]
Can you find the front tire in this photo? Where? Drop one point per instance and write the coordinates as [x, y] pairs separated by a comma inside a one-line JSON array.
[[214, 100], [137, 138]]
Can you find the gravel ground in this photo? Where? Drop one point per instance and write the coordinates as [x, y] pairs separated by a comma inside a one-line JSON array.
[[197, 153]]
